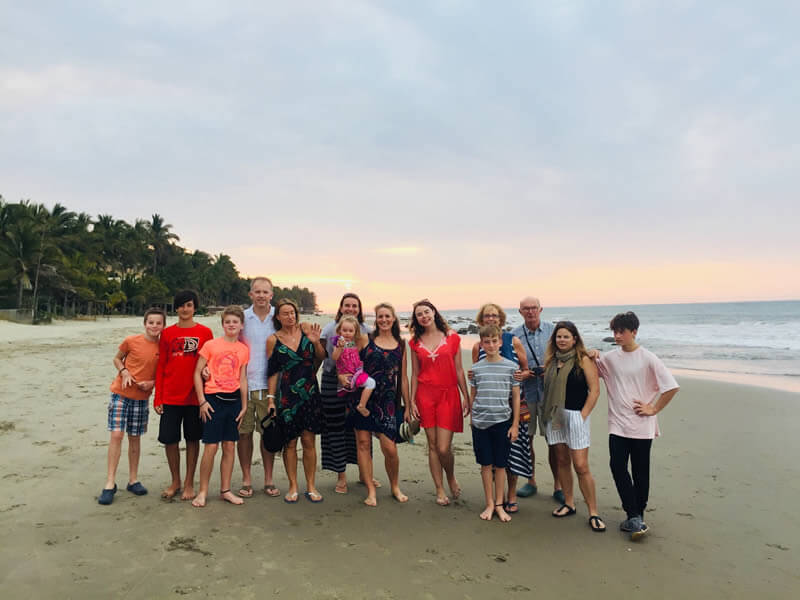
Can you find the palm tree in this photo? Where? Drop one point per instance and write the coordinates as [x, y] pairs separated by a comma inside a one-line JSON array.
[[159, 237], [18, 248]]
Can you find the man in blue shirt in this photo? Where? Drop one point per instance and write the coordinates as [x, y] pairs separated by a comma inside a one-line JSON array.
[[258, 327], [534, 335]]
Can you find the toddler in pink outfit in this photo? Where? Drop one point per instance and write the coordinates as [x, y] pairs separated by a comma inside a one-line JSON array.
[[347, 344]]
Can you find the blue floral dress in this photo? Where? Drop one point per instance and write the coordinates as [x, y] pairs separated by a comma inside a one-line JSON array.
[[384, 366]]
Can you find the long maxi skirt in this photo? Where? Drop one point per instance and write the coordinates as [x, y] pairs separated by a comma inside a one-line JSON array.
[[338, 442]]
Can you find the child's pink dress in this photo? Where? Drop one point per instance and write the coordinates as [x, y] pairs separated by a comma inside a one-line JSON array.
[[349, 363]]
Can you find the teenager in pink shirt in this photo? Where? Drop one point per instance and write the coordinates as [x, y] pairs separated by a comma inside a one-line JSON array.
[[639, 387]]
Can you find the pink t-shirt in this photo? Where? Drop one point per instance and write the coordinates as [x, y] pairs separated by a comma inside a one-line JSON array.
[[225, 362], [629, 376]]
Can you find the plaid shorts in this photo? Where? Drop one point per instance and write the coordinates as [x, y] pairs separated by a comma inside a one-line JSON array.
[[128, 415]]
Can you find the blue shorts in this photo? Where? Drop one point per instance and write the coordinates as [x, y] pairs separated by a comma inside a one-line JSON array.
[[222, 426], [492, 445], [125, 414]]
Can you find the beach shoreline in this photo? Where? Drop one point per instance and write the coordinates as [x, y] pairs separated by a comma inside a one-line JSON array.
[[722, 513]]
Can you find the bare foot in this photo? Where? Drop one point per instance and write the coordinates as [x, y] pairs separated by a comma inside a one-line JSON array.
[[188, 493], [371, 501], [229, 496], [442, 500], [199, 501], [455, 489], [341, 487], [487, 513], [169, 493], [504, 516], [362, 410], [399, 496]]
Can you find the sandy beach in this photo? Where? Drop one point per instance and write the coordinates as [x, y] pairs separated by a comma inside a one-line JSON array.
[[723, 511]]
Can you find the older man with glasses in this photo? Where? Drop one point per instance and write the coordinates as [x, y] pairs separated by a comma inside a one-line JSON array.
[[534, 334]]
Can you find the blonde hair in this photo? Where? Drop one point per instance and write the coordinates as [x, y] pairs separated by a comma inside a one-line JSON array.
[[500, 311], [260, 278], [355, 323]]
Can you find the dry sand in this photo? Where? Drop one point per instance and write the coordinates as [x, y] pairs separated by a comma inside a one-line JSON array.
[[723, 512]]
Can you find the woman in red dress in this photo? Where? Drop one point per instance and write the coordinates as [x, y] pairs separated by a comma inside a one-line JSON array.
[[437, 377]]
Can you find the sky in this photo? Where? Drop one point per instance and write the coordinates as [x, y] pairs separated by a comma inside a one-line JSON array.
[[584, 152]]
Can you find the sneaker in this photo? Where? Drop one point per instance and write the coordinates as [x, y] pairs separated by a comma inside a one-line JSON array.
[[640, 533], [527, 490], [558, 496], [629, 525], [107, 496]]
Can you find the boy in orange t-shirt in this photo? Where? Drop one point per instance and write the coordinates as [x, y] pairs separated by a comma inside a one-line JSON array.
[[224, 402], [135, 362]]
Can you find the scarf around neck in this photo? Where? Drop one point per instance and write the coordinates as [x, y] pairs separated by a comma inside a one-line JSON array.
[[555, 386]]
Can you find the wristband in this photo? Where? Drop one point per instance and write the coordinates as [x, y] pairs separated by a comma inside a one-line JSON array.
[[122, 369], [271, 396], [203, 403]]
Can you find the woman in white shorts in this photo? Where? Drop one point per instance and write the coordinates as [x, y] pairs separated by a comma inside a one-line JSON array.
[[571, 389]]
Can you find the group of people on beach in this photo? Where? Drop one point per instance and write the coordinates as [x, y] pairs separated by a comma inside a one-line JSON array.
[[264, 366]]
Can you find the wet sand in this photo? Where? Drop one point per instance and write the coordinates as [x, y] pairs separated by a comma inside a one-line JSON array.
[[723, 511]]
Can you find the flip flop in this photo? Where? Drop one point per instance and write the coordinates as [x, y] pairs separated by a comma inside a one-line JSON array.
[[291, 498], [272, 491], [246, 491], [340, 489], [596, 523], [511, 507], [559, 515], [311, 495]]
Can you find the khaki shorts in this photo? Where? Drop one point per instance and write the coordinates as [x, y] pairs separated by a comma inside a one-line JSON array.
[[256, 410]]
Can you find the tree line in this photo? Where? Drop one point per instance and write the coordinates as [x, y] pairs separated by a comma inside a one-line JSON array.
[[59, 262]]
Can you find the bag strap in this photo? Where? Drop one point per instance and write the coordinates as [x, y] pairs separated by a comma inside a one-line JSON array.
[[528, 341]]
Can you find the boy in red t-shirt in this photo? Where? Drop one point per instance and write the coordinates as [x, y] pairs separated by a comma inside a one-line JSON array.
[[224, 403], [175, 398], [135, 362]]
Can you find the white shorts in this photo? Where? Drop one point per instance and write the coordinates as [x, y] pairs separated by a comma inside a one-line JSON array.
[[574, 431]]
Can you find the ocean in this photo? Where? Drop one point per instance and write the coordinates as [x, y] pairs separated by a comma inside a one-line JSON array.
[[742, 342]]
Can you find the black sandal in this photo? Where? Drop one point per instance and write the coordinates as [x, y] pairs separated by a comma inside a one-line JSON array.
[[559, 515], [595, 522]]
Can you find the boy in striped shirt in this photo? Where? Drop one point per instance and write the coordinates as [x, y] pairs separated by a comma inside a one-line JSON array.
[[495, 422]]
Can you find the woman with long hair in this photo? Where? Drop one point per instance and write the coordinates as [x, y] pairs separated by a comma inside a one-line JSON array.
[[338, 439], [291, 352], [386, 361], [571, 389], [437, 378]]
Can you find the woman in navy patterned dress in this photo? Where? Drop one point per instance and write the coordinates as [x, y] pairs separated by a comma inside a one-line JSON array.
[[385, 361]]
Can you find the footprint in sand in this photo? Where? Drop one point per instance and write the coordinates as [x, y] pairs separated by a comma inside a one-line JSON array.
[[6, 426], [778, 547], [186, 543]]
